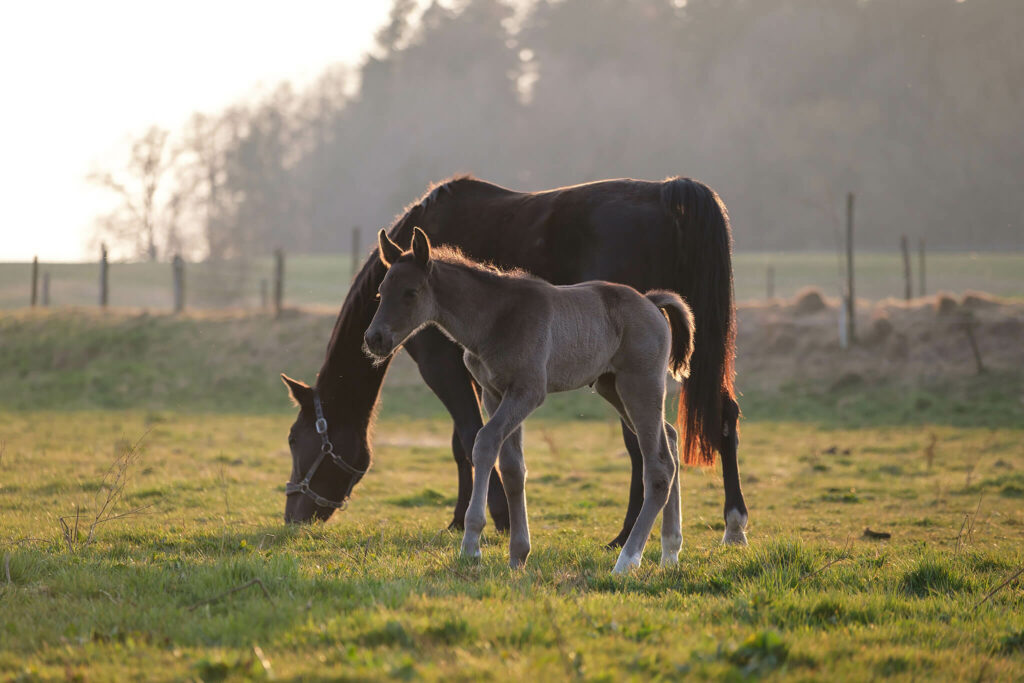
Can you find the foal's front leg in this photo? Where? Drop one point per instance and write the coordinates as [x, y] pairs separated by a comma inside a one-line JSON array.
[[516, 404], [512, 466]]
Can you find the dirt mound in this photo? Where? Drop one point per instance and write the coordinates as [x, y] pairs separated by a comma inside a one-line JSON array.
[[808, 301], [896, 340]]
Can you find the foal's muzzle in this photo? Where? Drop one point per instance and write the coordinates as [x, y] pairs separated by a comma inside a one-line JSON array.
[[378, 342]]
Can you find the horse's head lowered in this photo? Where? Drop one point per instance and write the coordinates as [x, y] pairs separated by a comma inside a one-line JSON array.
[[406, 303], [321, 479]]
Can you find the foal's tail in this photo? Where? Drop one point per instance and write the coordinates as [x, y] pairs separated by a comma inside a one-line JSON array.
[[680, 320]]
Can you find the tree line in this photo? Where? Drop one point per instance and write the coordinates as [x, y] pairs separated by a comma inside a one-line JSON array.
[[782, 105]]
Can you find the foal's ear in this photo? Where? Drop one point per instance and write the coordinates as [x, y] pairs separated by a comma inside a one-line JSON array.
[[389, 251], [301, 394], [420, 247]]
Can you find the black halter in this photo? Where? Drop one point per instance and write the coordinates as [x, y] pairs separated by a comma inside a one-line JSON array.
[[326, 449]]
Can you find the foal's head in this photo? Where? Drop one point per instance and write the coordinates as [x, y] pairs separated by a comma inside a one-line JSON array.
[[406, 300]]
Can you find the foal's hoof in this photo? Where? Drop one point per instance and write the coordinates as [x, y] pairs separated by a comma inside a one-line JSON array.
[[735, 528], [471, 553], [626, 564], [517, 562]]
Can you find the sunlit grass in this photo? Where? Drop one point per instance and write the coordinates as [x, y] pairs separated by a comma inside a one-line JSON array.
[[379, 591]]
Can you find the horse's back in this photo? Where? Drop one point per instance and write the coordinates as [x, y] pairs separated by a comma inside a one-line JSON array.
[[615, 230]]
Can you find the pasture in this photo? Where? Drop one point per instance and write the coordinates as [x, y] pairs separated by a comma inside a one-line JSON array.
[[186, 571]]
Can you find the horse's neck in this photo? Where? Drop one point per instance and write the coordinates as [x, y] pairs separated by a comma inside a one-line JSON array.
[[467, 303], [349, 382]]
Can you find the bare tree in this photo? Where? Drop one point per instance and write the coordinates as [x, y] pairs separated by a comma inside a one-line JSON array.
[[148, 208]]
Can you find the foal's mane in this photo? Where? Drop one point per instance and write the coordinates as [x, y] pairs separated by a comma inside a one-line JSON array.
[[453, 256]]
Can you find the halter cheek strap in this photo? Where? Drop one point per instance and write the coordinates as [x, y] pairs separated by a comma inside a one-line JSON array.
[[326, 449]]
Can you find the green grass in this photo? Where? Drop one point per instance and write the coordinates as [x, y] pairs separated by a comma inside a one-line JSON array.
[[323, 279], [380, 592]]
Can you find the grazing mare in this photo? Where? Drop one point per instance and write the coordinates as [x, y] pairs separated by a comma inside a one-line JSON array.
[[672, 235], [523, 339]]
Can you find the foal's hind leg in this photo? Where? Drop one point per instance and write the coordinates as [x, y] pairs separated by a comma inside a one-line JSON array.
[[671, 516], [671, 519], [513, 477], [642, 398]]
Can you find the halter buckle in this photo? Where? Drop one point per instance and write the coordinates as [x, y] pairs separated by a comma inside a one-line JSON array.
[[321, 425]]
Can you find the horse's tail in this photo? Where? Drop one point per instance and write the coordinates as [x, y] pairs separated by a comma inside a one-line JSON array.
[[703, 242], [680, 321]]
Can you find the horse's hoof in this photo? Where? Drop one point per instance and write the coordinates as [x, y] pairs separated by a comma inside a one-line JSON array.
[[619, 540], [735, 528], [501, 522], [456, 525]]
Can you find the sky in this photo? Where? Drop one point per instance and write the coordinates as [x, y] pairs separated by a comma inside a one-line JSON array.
[[80, 79]]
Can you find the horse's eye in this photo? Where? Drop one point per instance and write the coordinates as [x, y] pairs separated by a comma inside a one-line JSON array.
[[291, 440], [409, 294]]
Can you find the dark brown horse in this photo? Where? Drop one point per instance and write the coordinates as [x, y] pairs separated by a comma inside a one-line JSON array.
[[671, 235]]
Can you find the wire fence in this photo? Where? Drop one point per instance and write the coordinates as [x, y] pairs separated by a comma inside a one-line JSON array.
[[268, 283], [324, 279]]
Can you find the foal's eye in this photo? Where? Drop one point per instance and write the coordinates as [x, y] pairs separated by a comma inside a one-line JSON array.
[[409, 294]]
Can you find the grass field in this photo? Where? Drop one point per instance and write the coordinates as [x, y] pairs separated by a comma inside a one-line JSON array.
[[379, 591], [323, 279]]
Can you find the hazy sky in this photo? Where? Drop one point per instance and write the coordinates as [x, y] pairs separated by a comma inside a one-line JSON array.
[[81, 78]]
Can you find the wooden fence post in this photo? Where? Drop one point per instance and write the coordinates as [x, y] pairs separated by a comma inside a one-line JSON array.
[[35, 279], [905, 248], [851, 306], [104, 267], [46, 288], [178, 271], [278, 281], [770, 282], [356, 249], [920, 266]]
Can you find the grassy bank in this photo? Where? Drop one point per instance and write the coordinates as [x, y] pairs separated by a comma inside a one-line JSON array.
[[77, 359]]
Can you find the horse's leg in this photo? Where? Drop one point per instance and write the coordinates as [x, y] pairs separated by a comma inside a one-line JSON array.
[[440, 364], [636, 485], [671, 516], [516, 404], [643, 399], [735, 508], [513, 476]]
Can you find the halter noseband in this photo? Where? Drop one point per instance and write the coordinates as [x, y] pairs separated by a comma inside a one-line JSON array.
[[326, 449]]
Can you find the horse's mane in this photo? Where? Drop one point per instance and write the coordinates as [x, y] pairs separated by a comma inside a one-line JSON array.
[[363, 291]]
